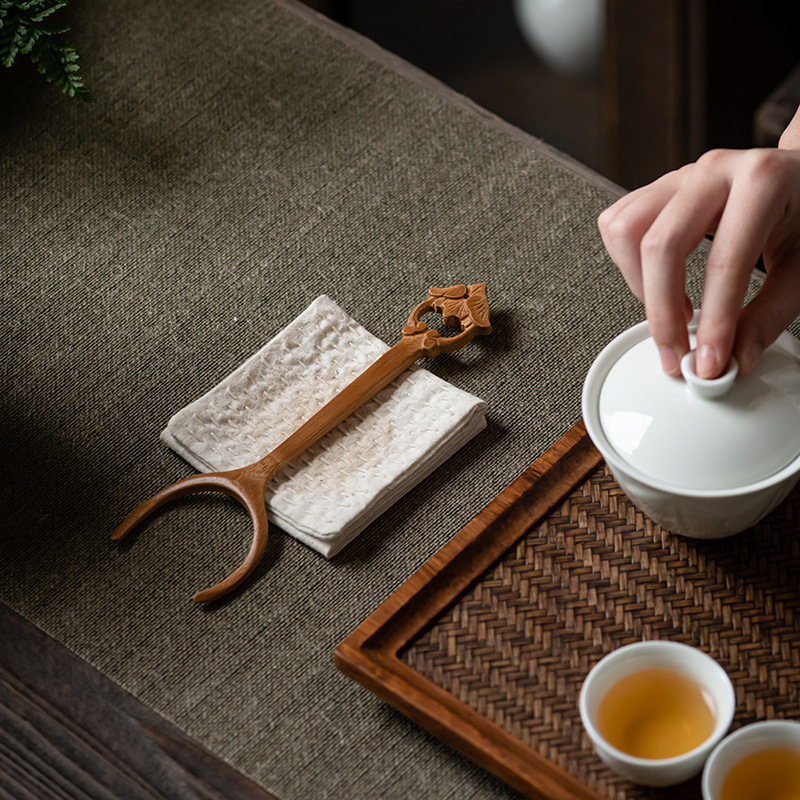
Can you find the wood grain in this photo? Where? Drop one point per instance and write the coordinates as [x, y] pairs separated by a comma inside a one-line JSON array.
[[68, 732]]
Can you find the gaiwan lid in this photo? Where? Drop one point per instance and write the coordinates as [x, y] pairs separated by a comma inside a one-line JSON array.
[[700, 434]]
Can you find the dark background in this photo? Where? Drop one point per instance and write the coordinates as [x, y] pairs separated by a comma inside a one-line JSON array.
[[678, 76]]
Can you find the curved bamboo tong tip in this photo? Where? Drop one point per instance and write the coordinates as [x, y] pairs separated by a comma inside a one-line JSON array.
[[461, 305]]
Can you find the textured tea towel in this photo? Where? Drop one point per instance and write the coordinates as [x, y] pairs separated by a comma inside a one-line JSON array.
[[329, 494]]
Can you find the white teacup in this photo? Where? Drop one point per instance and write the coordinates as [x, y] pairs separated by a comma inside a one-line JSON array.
[[732, 752], [638, 659]]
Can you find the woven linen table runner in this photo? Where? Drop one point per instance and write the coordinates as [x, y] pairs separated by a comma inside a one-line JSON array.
[[242, 159]]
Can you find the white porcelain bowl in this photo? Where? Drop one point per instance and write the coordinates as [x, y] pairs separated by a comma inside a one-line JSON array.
[[746, 741], [657, 654], [705, 467]]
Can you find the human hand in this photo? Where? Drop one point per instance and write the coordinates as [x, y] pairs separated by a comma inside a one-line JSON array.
[[750, 201]]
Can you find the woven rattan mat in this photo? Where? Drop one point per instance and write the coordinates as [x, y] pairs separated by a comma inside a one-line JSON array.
[[488, 643], [596, 574]]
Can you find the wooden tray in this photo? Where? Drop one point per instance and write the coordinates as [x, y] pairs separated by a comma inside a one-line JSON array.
[[487, 645]]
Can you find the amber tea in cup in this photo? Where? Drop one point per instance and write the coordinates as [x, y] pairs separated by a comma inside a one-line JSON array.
[[656, 713], [761, 761], [770, 774], [654, 710]]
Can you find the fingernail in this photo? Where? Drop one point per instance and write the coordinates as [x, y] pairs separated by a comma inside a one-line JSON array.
[[707, 363], [670, 360], [749, 356]]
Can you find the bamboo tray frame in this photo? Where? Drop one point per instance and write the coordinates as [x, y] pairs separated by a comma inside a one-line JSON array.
[[487, 643]]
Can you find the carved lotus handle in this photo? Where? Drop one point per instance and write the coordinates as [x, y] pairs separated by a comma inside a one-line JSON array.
[[465, 306]]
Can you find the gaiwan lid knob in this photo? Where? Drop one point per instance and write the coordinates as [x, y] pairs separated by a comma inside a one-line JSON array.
[[703, 435]]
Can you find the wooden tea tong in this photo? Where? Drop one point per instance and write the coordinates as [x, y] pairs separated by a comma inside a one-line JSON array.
[[465, 306]]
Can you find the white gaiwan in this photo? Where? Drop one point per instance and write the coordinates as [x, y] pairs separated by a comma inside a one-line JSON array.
[[702, 458]]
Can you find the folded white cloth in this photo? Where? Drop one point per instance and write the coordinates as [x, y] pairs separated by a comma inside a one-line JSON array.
[[329, 494]]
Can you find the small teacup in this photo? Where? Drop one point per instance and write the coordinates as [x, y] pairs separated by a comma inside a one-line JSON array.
[[655, 710], [758, 760]]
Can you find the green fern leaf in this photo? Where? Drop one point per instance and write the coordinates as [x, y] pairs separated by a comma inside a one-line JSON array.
[[26, 29]]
